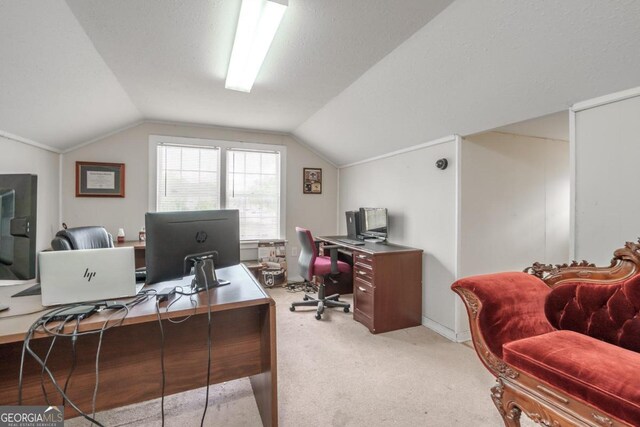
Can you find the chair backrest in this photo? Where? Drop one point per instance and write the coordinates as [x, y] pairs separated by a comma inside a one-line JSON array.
[[609, 312], [308, 253], [82, 238]]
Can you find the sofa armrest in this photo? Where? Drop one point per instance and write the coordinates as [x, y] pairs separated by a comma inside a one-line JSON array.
[[503, 307]]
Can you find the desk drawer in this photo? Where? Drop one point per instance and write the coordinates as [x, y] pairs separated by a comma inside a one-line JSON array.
[[363, 259], [363, 303], [363, 273]]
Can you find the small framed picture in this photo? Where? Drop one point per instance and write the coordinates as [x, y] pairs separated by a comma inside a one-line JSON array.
[[312, 181], [95, 179]]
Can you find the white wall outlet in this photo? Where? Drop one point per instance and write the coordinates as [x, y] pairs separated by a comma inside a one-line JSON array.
[[294, 251]]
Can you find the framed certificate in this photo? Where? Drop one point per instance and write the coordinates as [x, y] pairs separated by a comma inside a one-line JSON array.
[[95, 179]]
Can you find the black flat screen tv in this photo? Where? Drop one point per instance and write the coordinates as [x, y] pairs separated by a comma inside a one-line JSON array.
[[172, 236], [18, 211]]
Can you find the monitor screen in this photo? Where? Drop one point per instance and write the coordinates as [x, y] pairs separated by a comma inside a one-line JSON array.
[[374, 222], [172, 236], [18, 211]]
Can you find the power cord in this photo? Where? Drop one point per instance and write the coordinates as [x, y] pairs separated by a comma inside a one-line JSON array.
[[46, 358], [161, 359], [42, 323], [74, 357], [206, 403]]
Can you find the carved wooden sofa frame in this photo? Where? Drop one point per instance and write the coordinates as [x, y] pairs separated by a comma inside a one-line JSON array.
[[516, 392]]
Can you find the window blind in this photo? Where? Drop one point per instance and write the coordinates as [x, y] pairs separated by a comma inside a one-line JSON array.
[[188, 178], [253, 187]]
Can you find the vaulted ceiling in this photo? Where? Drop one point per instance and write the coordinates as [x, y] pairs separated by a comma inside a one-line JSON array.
[[351, 78]]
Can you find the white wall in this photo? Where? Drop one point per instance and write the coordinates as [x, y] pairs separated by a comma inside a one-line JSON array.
[[607, 149], [421, 201], [514, 202], [131, 146], [18, 157]]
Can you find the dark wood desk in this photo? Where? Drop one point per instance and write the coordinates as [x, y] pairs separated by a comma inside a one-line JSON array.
[[387, 284], [243, 345]]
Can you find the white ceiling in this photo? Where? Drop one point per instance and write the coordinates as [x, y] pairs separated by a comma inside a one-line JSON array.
[[480, 65], [73, 71], [352, 79], [54, 87], [553, 126]]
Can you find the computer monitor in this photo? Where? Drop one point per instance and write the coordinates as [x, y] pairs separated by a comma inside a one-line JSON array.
[[18, 213], [172, 236], [373, 222]]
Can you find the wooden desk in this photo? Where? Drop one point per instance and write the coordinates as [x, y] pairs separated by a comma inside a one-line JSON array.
[[387, 284], [243, 345]]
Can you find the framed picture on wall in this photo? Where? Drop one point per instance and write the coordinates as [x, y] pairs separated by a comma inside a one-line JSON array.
[[95, 179], [312, 181]]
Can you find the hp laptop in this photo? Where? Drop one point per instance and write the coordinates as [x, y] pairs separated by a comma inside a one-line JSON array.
[[86, 275]]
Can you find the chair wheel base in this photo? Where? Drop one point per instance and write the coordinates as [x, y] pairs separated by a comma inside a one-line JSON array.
[[346, 309], [292, 308], [305, 298], [318, 316]]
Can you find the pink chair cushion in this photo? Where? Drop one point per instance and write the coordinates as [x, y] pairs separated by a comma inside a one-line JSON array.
[[322, 266]]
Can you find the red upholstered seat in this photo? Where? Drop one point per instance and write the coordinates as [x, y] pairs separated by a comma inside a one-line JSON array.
[[322, 266], [594, 371]]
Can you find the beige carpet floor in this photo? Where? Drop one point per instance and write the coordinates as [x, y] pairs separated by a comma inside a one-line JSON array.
[[333, 372]]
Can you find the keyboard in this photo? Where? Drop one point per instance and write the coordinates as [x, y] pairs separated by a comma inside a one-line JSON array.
[[351, 242]]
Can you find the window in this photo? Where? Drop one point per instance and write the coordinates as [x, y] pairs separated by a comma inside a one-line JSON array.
[[253, 187], [187, 178], [196, 174]]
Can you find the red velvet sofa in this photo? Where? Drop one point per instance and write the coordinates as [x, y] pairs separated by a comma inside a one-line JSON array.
[[563, 341]]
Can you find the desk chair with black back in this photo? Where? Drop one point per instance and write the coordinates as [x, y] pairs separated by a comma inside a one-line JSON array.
[[70, 239], [82, 238], [92, 237], [311, 264]]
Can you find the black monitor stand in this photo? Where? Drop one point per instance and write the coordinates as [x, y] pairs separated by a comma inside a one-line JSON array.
[[205, 274]]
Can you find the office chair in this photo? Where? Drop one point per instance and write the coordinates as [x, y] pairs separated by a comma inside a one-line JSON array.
[[311, 264], [82, 238]]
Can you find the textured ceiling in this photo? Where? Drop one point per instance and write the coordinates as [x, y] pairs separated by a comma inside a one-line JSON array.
[[75, 70], [352, 79], [54, 87], [479, 65]]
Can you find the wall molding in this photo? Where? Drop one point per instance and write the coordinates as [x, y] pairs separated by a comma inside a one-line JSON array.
[[27, 141], [103, 136], [438, 141], [446, 332], [313, 150], [606, 99], [572, 184]]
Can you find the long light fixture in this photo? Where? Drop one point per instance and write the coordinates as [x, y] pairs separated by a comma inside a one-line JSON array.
[[257, 25]]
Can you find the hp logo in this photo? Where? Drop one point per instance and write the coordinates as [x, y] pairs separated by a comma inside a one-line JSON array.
[[89, 275], [201, 237]]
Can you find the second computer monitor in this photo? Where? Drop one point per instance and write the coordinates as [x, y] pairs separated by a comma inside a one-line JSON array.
[[171, 236], [373, 222]]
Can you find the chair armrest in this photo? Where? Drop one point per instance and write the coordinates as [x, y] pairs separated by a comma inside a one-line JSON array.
[[503, 307], [333, 251]]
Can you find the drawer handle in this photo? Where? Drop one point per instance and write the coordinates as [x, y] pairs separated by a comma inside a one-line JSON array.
[[363, 257], [552, 394], [361, 272], [361, 289]]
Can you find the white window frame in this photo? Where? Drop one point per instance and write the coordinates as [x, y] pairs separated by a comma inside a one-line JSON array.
[[156, 140]]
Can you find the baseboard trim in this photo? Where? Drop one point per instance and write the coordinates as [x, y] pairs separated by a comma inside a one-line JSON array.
[[446, 332]]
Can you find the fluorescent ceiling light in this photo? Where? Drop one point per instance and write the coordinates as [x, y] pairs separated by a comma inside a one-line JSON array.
[[257, 25]]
